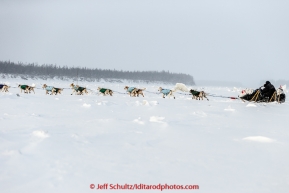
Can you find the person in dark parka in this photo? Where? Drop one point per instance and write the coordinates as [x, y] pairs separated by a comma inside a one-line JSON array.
[[269, 89]]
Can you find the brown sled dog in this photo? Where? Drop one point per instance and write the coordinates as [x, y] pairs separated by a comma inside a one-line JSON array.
[[105, 91], [198, 94], [134, 92], [4, 88], [27, 89], [78, 89]]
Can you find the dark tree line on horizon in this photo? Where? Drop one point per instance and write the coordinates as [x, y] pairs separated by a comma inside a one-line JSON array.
[[50, 70]]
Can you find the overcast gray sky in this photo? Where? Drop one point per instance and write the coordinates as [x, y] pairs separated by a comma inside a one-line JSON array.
[[241, 41]]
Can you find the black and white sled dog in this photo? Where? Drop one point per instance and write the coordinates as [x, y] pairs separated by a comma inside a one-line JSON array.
[[4, 88], [198, 94], [26, 88]]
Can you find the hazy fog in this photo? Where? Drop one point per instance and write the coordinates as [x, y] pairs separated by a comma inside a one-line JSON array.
[[240, 41]]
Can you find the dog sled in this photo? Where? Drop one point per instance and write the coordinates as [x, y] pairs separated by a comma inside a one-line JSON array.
[[258, 96]]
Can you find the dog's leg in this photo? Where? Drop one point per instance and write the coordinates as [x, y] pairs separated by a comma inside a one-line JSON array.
[[173, 95], [206, 97], [170, 94]]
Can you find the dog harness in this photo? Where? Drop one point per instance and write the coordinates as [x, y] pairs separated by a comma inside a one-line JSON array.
[[56, 89], [23, 87], [1, 86], [102, 90], [80, 89], [166, 91], [194, 92], [49, 88], [130, 89]]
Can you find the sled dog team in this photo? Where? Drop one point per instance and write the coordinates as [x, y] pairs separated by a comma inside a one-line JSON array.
[[132, 91], [266, 93]]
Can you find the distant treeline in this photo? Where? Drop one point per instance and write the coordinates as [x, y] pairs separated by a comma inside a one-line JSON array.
[[50, 70]]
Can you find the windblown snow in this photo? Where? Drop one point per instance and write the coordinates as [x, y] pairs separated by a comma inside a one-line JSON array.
[[66, 142]]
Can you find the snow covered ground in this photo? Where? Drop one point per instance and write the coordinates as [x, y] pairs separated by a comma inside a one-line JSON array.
[[65, 143]]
